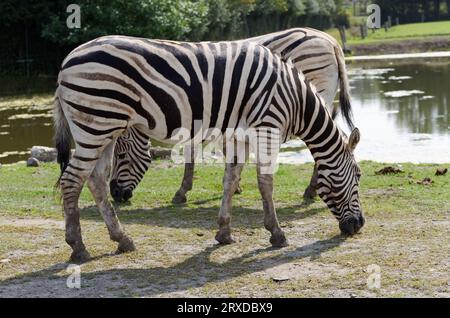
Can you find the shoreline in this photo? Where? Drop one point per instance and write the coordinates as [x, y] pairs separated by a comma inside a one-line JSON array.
[[171, 164], [401, 46], [395, 56]]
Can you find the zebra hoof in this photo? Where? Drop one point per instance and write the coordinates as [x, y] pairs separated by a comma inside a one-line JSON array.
[[224, 238], [179, 199], [279, 240], [80, 256], [125, 245], [310, 193]]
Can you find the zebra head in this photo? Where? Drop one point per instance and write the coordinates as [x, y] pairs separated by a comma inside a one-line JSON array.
[[338, 186], [131, 161]]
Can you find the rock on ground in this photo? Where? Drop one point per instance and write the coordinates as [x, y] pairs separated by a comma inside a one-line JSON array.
[[160, 153], [32, 162], [44, 154]]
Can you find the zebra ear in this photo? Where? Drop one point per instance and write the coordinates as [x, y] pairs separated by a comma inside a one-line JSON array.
[[353, 140]]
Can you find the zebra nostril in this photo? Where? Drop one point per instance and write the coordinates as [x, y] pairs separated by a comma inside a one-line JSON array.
[[349, 226], [117, 195], [352, 225], [127, 194]]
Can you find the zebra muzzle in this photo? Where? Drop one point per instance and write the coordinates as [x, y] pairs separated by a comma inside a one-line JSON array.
[[119, 194], [352, 225]]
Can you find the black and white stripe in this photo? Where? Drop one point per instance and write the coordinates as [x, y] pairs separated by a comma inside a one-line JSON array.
[[313, 52], [116, 83]]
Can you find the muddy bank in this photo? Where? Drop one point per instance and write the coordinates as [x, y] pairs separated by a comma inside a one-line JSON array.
[[439, 43]]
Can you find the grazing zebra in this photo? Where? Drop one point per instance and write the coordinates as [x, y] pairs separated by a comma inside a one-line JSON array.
[[113, 83], [314, 52], [130, 162]]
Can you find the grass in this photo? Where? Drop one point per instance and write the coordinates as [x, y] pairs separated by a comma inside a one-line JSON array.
[[398, 32], [406, 234]]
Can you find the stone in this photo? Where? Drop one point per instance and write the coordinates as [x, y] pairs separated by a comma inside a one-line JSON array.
[[43, 154], [32, 162], [160, 153], [280, 278]]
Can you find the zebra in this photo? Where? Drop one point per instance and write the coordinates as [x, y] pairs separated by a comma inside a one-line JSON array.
[[114, 83], [315, 53], [130, 162]]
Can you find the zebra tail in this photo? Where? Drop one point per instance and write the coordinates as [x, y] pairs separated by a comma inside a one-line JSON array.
[[62, 137], [344, 88]]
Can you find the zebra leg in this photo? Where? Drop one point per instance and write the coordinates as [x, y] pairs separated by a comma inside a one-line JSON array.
[[230, 184], [310, 191], [186, 183], [98, 184], [265, 184], [72, 181], [238, 188]]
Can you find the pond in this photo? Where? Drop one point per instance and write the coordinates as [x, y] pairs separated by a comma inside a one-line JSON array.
[[402, 110]]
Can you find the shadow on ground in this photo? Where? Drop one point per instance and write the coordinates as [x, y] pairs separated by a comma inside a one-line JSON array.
[[196, 271], [189, 216]]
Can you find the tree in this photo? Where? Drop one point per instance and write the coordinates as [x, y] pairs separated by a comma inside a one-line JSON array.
[[169, 19], [312, 7]]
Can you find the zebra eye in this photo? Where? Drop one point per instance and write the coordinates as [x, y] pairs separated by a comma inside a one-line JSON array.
[[121, 156]]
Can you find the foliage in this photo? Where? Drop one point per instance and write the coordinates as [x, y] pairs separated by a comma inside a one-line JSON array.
[[171, 19], [36, 29], [408, 11]]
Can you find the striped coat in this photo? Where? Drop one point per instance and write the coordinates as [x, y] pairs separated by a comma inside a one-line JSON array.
[[314, 52], [116, 83]]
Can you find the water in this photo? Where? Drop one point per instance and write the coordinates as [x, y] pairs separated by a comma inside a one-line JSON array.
[[402, 110], [22, 128]]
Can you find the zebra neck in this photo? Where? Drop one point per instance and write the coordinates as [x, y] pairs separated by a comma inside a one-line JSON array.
[[319, 132]]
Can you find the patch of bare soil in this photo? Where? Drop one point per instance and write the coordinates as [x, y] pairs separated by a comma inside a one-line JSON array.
[[382, 192], [173, 260], [389, 170], [32, 222]]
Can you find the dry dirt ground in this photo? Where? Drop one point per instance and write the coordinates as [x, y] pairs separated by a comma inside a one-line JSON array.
[[406, 252]]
